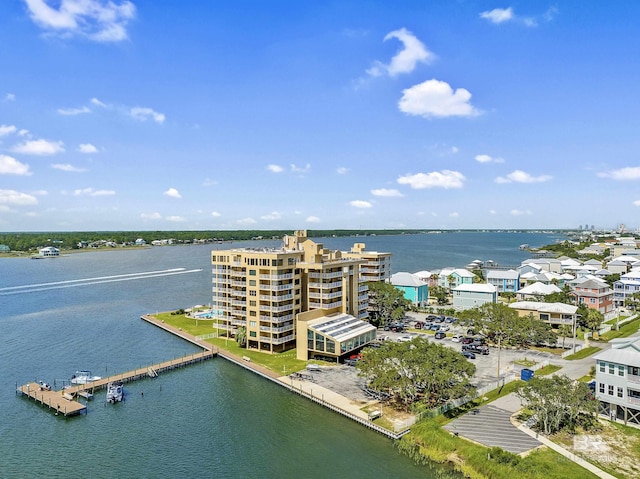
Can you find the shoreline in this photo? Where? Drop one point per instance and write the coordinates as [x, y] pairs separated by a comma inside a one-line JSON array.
[[322, 396]]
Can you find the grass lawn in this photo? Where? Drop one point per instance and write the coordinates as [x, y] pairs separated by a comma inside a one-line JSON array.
[[625, 330], [546, 370], [583, 353], [281, 363]]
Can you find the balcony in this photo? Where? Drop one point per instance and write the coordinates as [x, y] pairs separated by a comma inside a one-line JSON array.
[[277, 319], [276, 287], [632, 378], [241, 284], [337, 304], [335, 284], [277, 277], [277, 309], [281, 329], [276, 299], [267, 339], [336, 274], [337, 294]]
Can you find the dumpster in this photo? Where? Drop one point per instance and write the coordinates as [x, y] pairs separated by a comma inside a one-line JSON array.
[[526, 374]]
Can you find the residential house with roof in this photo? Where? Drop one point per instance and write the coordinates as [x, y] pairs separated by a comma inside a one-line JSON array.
[[429, 277], [504, 281], [468, 296], [594, 249], [594, 294], [553, 265], [451, 278], [618, 380], [412, 287], [555, 314], [536, 290], [622, 264], [49, 252], [4, 248], [627, 285]]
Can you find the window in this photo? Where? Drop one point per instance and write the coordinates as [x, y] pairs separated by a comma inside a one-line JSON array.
[[633, 370], [252, 334], [252, 272], [620, 392], [620, 370], [252, 282], [252, 323], [252, 292], [252, 303], [610, 390], [592, 300], [612, 368], [602, 364], [601, 388], [253, 313]]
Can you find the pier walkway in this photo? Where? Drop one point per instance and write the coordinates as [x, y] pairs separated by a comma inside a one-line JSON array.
[[65, 402]]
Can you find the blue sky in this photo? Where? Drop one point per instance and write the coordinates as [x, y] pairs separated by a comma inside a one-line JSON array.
[[147, 114]]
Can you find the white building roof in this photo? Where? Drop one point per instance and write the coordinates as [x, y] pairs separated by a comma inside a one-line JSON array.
[[406, 279], [545, 307], [476, 288], [501, 274], [539, 288], [340, 326], [623, 351], [423, 274]]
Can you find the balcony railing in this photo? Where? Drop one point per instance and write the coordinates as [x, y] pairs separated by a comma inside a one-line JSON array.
[[336, 274], [337, 294], [280, 329], [278, 298], [276, 287], [334, 284], [276, 277], [277, 309], [325, 306], [277, 319]]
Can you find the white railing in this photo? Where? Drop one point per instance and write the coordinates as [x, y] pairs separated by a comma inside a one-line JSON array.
[[276, 277], [278, 298]]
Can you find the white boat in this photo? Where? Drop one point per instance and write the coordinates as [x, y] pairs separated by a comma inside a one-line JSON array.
[[83, 377], [115, 392]]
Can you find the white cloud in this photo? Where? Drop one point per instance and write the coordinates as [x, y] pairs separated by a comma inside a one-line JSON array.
[[312, 219], [175, 219], [275, 168], [389, 193], [9, 97], [12, 197], [436, 179], [493, 212], [519, 176], [151, 216], [515, 212], [209, 182], [74, 111], [7, 130], [622, 174], [92, 192], [636, 202], [498, 15], [274, 215], [97, 102], [87, 148], [405, 60], [40, 192], [360, 204], [488, 159], [143, 114], [98, 20], [301, 169], [215, 214], [173, 193], [454, 149], [39, 147], [11, 166], [67, 167], [436, 99], [246, 221], [24, 133], [454, 214], [342, 170]]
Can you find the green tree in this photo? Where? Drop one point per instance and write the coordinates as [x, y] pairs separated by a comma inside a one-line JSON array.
[[241, 336], [559, 402], [440, 293], [386, 303], [419, 371], [563, 296], [565, 331], [593, 319]]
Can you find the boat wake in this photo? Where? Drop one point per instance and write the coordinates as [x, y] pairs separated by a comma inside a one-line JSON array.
[[73, 283]]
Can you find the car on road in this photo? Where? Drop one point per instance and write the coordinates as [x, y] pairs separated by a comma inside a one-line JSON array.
[[468, 355], [404, 339], [440, 335]]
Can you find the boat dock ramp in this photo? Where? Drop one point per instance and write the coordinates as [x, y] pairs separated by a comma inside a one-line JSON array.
[[64, 401]]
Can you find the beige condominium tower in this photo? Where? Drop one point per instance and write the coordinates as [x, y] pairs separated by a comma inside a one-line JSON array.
[[275, 292]]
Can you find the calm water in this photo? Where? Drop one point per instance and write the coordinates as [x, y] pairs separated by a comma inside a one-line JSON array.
[[214, 419]]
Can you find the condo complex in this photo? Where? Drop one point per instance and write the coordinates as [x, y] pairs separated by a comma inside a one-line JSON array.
[[298, 296]]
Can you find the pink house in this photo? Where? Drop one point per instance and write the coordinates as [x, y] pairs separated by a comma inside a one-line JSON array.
[[594, 294]]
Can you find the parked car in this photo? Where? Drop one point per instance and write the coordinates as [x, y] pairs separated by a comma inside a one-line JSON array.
[[456, 338], [445, 327], [420, 324], [468, 355], [351, 362], [435, 327], [466, 340], [473, 348], [440, 335], [438, 319], [404, 339]]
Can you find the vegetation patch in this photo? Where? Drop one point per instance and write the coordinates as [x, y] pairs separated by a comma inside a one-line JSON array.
[[625, 330], [548, 369], [583, 353]]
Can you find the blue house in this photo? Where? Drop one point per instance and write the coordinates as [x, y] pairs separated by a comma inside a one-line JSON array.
[[412, 287]]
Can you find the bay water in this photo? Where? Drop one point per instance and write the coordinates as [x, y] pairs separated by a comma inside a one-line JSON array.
[[213, 419]]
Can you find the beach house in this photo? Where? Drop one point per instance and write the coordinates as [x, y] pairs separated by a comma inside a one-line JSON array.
[[412, 287], [468, 296]]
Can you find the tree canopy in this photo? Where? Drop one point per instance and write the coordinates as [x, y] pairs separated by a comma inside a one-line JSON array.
[[418, 371], [386, 303], [559, 403]]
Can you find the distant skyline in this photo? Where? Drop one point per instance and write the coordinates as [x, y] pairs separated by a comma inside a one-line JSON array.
[[156, 115]]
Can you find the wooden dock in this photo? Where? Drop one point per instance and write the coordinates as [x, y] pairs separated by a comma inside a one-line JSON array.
[[65, 401]]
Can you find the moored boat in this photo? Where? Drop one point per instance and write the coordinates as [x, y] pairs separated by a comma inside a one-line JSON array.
[[115, 392], [83, 377]]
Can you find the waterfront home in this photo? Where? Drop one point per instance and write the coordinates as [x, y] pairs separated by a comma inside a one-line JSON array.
[[536, 290], [602, 273], [554, 314], [546, 264], [49, 252], [412, 287], [595, 294], [618, 380], [468, 296], [4, 248], [594, 249], [504, 281], [265, 290], [429, 277], [451, 278], [140, 242], [544, 278], [331, 336]]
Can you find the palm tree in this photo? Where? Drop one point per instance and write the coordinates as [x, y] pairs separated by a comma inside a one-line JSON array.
[[241, 336]]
